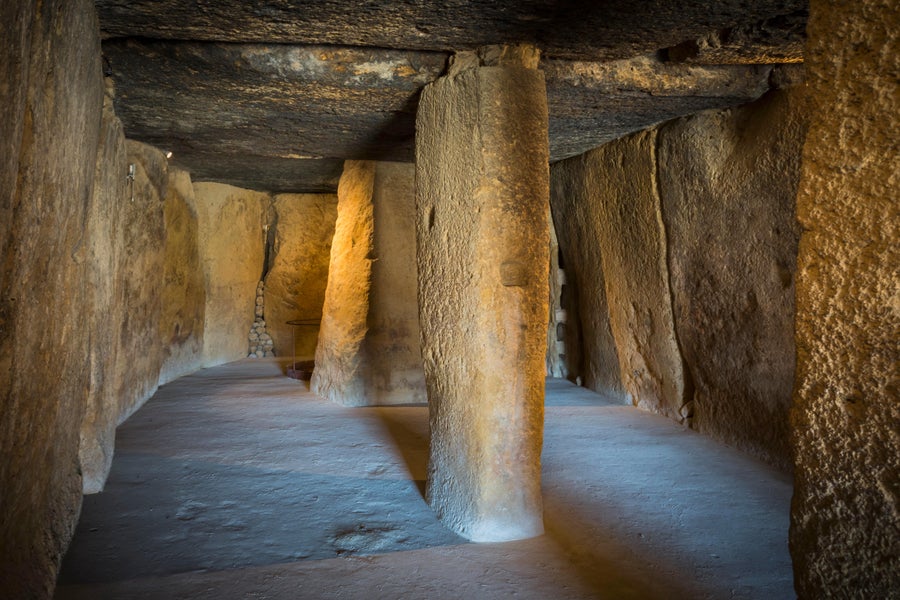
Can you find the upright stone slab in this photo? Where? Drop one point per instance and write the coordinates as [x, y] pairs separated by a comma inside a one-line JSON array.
[[231, 240], [298, 270], [483, 236], [727, 181], [105, 312], [368, 352], [52, 98], [184, 287], [845, 515], [611, 229], [337, 375], [591, 354], [393, 357], [125, 262]]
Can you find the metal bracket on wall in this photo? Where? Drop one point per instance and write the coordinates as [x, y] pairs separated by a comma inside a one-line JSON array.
[[130, 179]]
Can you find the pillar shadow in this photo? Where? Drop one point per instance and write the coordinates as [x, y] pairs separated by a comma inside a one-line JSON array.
[[410, 433]]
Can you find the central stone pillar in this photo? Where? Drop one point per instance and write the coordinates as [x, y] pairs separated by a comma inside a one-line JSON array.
[[482, 229]]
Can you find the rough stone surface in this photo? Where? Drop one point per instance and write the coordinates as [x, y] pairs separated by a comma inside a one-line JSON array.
[[483, 236], [594, 103], [393, 356], [609, 207], [591, 355], [126, 263], [369, 350], [728, 185], [231, 239], [263, 107], [338, 375], [184, 289], [295, 283], [52, 97], [608, 30], [845, 518], [777, 39], [141, 273], [629, 229], [105, 231], [274, 117], [556, 322]]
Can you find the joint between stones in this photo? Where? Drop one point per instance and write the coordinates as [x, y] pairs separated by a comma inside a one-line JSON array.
[[500, 55]]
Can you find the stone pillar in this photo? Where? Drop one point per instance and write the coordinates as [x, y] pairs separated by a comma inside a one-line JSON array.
[[368, 349], [482, 238], [845, 514], [338, 375]]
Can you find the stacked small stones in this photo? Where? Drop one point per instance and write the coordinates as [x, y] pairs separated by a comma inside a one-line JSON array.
[[260, 342]]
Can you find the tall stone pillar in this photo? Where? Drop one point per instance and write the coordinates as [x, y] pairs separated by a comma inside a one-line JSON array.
[[482, 247], [845, 513]]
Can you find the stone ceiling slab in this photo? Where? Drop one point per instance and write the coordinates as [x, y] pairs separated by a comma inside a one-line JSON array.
[[575, 29], [281, 117]]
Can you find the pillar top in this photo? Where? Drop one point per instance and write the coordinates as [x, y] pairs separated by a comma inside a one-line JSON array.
[[499, 55]]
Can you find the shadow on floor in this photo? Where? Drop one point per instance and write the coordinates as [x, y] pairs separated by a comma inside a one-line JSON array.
[[411, 436]]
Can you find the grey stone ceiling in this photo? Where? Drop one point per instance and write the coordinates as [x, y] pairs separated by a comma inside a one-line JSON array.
[[274, 95]]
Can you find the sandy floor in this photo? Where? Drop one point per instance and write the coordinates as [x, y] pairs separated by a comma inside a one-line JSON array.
[[236, 482]]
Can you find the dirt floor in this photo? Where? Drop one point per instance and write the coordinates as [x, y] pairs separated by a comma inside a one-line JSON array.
[[237, 482]]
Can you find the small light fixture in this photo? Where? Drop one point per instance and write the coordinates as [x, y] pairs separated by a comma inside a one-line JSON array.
[[169, 154]]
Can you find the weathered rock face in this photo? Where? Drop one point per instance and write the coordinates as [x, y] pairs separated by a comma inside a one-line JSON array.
[[106, 309], [126, 264], [184, 289], [688, 233], [295, 283], [590, 346], [611, 212], [368, 352], [612, 29], [52, 94], [483, 237], [594, 103], [728, 183], [845, 518], [231, 239], [275, 114], [393, 356], [142, 265], [777, 39], [338, 375]]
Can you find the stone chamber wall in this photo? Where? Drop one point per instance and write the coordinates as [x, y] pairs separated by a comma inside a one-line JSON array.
[[108, 287], [680, 246], [259, 249], [232, 240], [298, 269]]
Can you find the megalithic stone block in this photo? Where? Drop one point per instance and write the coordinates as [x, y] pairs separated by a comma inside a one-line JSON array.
[[482, 250]]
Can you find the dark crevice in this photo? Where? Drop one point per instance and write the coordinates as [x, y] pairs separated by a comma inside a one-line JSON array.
[[271, 225]]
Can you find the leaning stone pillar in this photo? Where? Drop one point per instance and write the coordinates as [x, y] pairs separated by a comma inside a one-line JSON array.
[[482, 247]]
